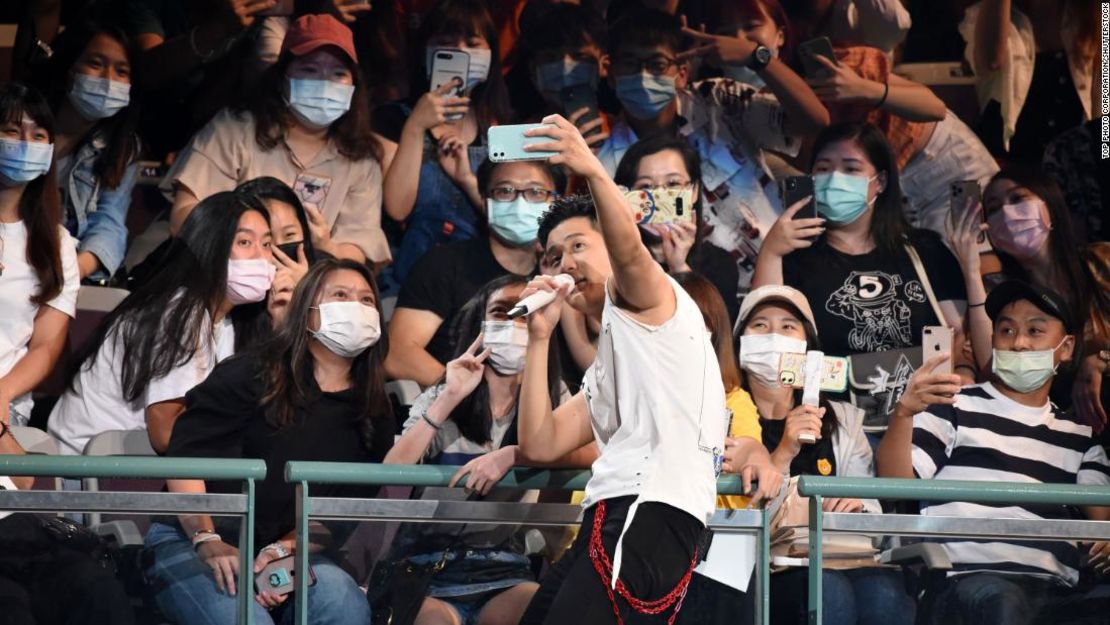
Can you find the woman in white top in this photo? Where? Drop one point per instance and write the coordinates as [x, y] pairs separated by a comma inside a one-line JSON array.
[[38, 260], [775, 320], [168, 335], [653, 400]]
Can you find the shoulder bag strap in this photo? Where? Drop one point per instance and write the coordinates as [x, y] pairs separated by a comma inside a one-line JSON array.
[[924, 278]]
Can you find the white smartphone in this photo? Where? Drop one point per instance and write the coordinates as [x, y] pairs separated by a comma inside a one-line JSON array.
[[937, 340], [449, 66]]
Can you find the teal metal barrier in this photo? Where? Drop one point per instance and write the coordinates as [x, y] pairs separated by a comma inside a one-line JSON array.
[[247, 471], [302, 474], [817, 488]]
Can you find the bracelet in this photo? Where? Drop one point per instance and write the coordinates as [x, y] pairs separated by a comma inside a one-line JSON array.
[[435, 426], [977, 305], [206, 537], [280, 549], [886, 92]]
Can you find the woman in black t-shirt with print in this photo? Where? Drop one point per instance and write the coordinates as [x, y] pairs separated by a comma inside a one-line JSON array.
[[316, 391], [853, 261]]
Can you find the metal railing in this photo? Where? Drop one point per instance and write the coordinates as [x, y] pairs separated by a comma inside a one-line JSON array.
[[817, 488], [241, 505], [303, 474]]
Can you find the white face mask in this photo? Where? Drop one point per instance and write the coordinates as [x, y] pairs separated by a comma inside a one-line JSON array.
[[319, 103], [1024, 371], [761, 356], [507, 342], [97, 98], [348, 328]]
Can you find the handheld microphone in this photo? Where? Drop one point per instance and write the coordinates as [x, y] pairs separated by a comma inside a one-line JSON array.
[[539, 299]]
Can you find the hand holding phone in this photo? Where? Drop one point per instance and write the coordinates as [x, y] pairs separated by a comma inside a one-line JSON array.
[[278, 579], [937, 340], [662, 206], [506, 143], [794, 189], [809, 50]]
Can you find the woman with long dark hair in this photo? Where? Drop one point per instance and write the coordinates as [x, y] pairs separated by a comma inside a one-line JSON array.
[[432, 187], [775, 320], [88, 84], [168, 335], [38, 264], [1031, 230], [856, 259], [470, 420], [307, 124], [315, 391]]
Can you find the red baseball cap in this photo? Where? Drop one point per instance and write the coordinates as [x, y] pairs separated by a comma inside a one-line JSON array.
[[312, 32]]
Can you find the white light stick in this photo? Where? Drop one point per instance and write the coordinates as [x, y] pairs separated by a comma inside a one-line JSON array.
[[811, 392], [539, 299]]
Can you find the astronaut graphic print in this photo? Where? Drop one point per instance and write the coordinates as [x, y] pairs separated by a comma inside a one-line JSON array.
[[877, 304]]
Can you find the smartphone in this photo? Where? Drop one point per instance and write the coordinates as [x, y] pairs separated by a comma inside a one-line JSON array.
[[278, 579], [963, 196], [660, 206], [808, 50], [282, 8], [449, 66], [577, 97], [796, 188], [937, 340], [506, 143]]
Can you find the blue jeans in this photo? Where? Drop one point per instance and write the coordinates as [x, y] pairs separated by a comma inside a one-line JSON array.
[[867, 596], [185, 589], [982, 598]]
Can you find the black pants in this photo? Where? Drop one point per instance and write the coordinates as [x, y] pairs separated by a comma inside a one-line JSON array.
[[986, 598], [46, 584], [657, 550], [709, 602]]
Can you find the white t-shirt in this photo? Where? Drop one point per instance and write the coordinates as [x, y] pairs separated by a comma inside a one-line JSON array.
[[96, 404], [18, 284]]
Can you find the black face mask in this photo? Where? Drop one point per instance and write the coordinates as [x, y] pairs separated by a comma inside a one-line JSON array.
[[290, 249]]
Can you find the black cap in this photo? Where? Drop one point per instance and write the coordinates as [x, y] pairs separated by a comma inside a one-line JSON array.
[[1047, 300]]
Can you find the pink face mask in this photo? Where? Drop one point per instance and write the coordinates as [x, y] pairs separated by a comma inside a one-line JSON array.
[[248, 280], [1019, 229]]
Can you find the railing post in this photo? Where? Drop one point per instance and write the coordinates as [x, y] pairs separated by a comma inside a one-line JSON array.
[[816, 527], [300, 558], [763, 581], [246, 558]]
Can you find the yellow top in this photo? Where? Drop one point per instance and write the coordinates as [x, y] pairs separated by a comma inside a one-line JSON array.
[[745, 422]]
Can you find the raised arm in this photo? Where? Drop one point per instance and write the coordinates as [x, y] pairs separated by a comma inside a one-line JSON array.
[[963, 238], [895, 455], [992, 28], [898, 96], [547, 435], [402, 178], [640, 284]]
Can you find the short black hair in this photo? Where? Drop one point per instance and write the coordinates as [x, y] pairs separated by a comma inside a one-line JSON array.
[[647, 28], [564, 208], [556, 174], [560, 26]]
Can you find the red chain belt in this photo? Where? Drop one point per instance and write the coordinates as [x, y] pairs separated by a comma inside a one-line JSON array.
[[604, 568]]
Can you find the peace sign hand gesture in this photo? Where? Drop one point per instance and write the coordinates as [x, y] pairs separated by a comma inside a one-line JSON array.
[[722, 50], [465, 372]]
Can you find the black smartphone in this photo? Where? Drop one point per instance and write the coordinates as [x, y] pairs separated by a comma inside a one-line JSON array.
[[577, 97], [809, 50], [793, 189]]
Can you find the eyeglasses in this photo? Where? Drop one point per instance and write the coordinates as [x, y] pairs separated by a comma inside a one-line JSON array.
[[656, 65], [510, 194]]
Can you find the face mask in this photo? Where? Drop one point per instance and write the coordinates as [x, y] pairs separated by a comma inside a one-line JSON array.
[[480, 59], [290, 249], [516, 222], [98, 98], [348, 328], [1019, 229], [552, 78], [318, 103], [23, 161], [1024, 371], [507, 342], [645, 96], [761, 355], [248, 279], [841, 198]]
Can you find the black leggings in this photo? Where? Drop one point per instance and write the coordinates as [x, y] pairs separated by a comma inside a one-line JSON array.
[[657, 548]]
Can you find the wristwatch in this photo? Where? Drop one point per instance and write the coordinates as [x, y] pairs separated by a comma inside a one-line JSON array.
[[761, 58], [277, 548]]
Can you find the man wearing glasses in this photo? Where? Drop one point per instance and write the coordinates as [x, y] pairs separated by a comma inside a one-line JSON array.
[[730, 124], [515, 195]]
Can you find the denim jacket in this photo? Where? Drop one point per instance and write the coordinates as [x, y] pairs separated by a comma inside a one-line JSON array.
[[94, 214]]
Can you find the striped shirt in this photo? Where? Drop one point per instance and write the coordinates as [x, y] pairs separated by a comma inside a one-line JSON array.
[[990, 437]]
